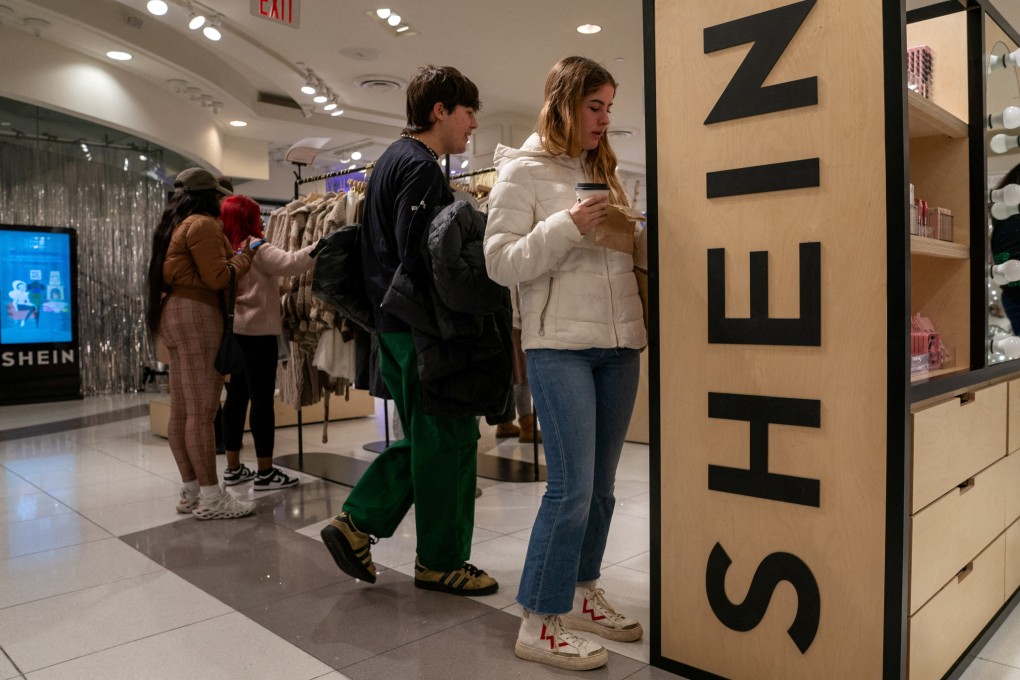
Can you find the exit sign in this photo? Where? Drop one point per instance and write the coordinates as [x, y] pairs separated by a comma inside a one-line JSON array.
[[285, 12]]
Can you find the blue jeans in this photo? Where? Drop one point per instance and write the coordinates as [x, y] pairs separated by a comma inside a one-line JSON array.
[[584, 400]]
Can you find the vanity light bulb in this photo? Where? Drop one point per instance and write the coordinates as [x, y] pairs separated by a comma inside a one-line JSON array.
[[1009, 194], [1001, 211], [1007, 272], [1008, 119], [1002, 143], [1005, 61], [1009, 346]]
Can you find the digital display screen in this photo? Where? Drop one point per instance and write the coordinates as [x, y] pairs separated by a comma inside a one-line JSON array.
[[36, 279]]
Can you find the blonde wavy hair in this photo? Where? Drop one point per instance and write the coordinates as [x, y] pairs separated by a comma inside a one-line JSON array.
[[568, 83]]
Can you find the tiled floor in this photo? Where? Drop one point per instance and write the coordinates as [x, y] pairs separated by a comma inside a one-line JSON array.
[[101, 578]]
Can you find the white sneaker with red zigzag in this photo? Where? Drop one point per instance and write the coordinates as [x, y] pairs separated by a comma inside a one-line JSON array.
[[545, 640], [592, 613]]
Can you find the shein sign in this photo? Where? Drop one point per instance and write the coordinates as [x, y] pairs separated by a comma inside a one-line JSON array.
[[285, 12]]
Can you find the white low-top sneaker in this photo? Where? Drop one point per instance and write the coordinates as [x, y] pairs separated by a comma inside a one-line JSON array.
[[592, 613], [544, 639]]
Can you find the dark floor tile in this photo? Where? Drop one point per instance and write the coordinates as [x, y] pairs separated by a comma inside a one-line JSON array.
[[302, 505], [480, 649], [189, 541], [352, 621], [270, 572]]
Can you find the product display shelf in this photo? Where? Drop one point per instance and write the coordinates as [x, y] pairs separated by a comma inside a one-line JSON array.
[[928, 119], [933, 247]]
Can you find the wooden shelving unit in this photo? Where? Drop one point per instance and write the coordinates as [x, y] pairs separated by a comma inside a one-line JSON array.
[[932, 247], [928, 119]]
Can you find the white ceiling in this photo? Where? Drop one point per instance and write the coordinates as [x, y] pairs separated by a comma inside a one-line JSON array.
[[506, 48]]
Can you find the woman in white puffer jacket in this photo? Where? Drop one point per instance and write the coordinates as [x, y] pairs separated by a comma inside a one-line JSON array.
[[582, 329]]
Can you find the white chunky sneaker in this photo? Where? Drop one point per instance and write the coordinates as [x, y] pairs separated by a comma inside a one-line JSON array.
[[187, 502], [224, 507], [593, 614], [545, 640]]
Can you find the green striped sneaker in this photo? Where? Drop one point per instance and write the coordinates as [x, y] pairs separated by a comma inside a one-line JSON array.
[[468, 580]]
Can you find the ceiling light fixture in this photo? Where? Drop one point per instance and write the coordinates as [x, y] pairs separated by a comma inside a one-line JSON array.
[[142, 157], [196, 21], [330, 105], [157, 7], [36, 26], [338, 112], [356, 156], [309, 86], [391, 21], [464, 164], [212, 31], [117, 55], [321, 97], [238, 123], [589, 29]]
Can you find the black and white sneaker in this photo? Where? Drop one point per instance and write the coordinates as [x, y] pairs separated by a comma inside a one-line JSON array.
[[276, 479], [238, 475]]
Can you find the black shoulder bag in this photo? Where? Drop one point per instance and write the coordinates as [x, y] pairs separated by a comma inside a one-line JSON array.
[[229, 358]]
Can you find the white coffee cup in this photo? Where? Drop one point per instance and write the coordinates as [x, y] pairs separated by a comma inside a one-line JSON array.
[[586, 190]]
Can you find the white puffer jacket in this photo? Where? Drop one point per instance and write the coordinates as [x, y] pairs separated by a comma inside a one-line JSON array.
[[573, 294]]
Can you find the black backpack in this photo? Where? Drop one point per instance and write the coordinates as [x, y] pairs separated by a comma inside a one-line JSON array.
[[337, 279]]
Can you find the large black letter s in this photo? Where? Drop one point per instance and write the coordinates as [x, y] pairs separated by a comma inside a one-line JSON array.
[[749, 613]]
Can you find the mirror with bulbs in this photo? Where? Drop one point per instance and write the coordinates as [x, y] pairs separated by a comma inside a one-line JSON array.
[[1002, 137]]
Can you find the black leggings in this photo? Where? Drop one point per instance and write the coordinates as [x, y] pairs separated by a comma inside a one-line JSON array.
[[257, 383]]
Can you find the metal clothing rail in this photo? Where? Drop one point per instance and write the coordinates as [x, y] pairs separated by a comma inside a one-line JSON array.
[[472, 173], [329, 175]]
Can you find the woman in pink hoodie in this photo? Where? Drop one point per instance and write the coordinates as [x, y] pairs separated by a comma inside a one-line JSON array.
[[257, 324]]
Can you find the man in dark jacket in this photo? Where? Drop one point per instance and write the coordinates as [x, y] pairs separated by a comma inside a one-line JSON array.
[[434, 466]]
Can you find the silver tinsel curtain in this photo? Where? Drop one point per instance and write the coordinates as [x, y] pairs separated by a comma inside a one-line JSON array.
[[114, 213]]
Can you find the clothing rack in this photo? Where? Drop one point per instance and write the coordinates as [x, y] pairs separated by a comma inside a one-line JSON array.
[[333, 467], [298, 181]]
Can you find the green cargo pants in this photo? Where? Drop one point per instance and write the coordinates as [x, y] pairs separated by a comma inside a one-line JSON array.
[[434, 466]]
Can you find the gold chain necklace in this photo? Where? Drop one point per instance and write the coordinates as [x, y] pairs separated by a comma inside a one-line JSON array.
[[435, 156]]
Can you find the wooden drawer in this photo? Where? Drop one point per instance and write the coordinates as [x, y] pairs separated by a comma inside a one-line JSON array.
[[1013, 486], [955, 440], [944, 627], [1013, 437], [945, 535], [1012, 558]]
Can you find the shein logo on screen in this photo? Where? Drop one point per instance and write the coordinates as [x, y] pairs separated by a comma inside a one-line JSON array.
[[41, 357]]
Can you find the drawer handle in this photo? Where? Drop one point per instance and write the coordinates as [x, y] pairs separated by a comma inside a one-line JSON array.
[[965, 572], [967, 485], [968, 398]]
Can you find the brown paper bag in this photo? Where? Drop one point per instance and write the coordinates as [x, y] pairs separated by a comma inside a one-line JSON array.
[[617, 232]]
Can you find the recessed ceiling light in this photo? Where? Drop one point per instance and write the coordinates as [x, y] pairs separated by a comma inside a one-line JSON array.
[[157, 7], [393, 20], [118, 55], [356, 156], [382, 13], [588, 29], [238, 123]]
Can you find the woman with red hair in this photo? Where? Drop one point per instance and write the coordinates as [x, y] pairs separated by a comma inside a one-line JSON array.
[[257, 324]]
